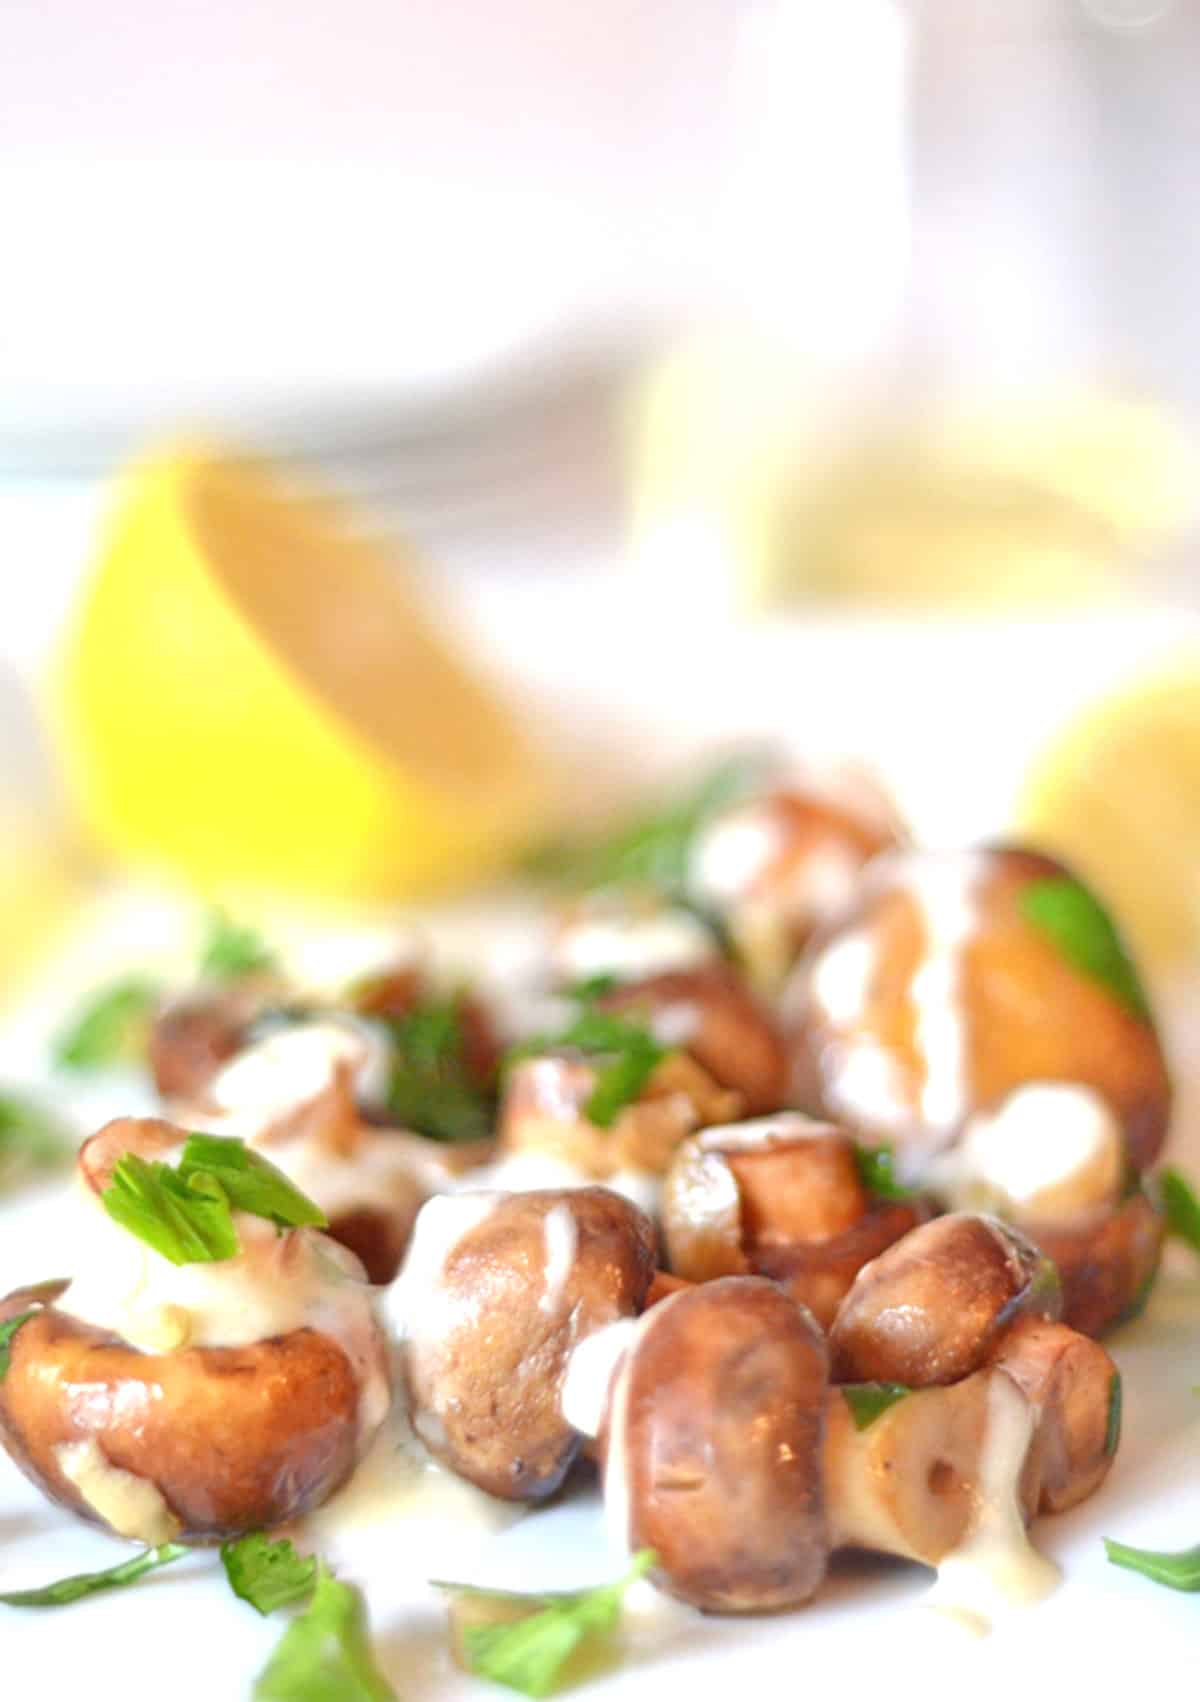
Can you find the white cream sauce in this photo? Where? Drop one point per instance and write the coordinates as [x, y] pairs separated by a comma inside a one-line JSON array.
[[323, 963], [281, 1074], [944, 888], [631, 946], [589, 1374], [276, 1284], [840, 981], [752, 1134], [733, 853], [130, 1505], [560, 1239], [399, 1483], [1052, 1150], [618, 1502], [864, 1081], [521, 1172], [996, 1567], [418, 1305]]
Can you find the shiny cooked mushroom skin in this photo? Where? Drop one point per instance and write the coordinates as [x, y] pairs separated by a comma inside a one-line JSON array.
[[712, 1448], [931, 1309], [233, 1439], [781, 1197], [1106, 1262], [497, 1291], [716, 1018], [191, 1038], [544, 1111], [1076, 1390], [936, 999], [228, 1438], [776, 867], [908, 1483], [727, 1452]]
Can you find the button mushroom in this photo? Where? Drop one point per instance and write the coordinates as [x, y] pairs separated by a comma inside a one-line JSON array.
[[295, 1095], [712, 1015], [959, 979], [931, 1309], [496, 1293], [778, 866], [781, 1196], [727, 1452], [544, 1115], [1106, 1261], [191, 1400], [712, 1446]]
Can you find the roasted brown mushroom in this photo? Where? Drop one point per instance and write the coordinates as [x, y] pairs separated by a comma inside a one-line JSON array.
[[778, 866], [933, 1307], [191, 1038], [783, 1197], [713, 1016], [1107, 1261], [1076, 1390], [295, 1096], [726, 1451], [543, 1112], [712, 1450], [193, 1402], [496, 1293], [961, 990]]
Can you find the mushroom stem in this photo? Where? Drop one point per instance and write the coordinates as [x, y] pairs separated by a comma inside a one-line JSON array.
[[909, 1482]]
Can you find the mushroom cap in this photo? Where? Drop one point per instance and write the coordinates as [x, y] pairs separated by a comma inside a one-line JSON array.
[[781, 1197], [933, 1306], [1106, 1263], [713, 1446], [234, 1439], [942, 949], [729, 1031], [492, 1312]]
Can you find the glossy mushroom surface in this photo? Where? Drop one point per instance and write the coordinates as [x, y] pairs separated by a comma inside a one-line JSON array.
[[712, 1448], [932, 1308], [195, 1402], [959, 981], [781, 1196], [497, 1292]]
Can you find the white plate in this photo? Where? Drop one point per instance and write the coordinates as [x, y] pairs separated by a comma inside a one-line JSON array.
[[182, 1634]]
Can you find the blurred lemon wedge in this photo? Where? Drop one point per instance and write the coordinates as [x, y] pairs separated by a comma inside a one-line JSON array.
[[251, 693], [1117, 794]]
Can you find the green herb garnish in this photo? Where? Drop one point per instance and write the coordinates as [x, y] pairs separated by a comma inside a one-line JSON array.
[[431, 1088], [232, 950], [877, 1172], [111, 1028], [7, 1331], [30, 1138], [1081, 929], [654, 848], [1112, 1428], [68, 1590], [627, 1054], [267, 1574], [325, 1654], [155, 1203], [248, 1181], [529, 1652], [1179, 1571], [869, 1401], [1181, 1206], [186, 1214]]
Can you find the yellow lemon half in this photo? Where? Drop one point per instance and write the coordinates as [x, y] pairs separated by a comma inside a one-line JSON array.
[[1117, 794], [251, 693]]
